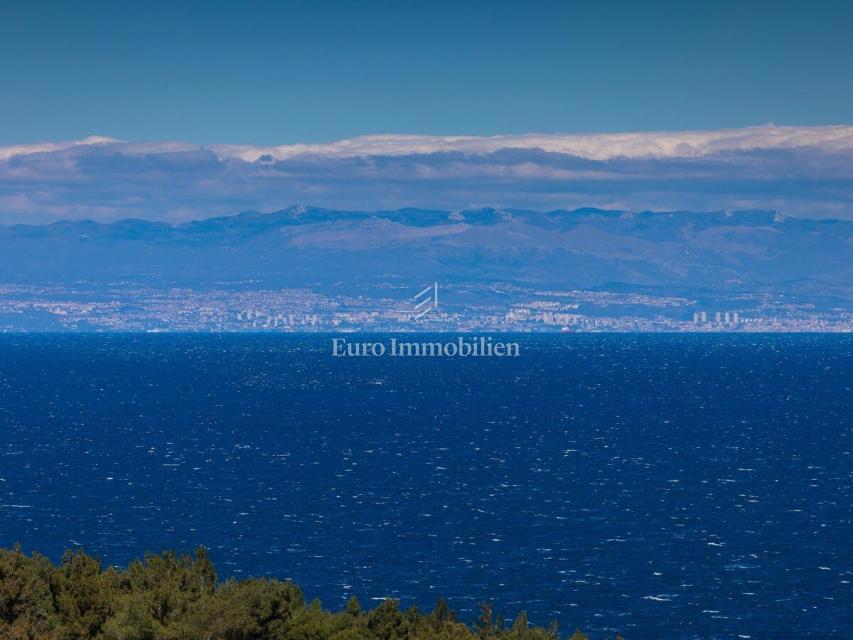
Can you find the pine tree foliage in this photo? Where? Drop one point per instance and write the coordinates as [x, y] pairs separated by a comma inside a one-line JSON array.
[[179, 597]]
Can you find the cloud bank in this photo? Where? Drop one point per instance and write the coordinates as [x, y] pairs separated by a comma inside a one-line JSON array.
[[800, 171]]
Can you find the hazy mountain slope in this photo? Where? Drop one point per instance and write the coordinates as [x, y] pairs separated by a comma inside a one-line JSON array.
[[309, 246]]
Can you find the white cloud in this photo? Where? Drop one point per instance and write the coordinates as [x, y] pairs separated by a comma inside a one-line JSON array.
[[46, 147], [602, 146], [802, 171], [605, 146]]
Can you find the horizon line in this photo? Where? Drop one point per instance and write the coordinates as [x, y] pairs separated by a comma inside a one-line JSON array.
[[300, 208]]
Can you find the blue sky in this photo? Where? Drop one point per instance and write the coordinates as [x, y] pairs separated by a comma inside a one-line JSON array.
[[210, 108], [283, 72]]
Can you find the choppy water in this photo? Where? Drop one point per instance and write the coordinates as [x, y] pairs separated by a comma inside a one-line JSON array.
[[662, 486]]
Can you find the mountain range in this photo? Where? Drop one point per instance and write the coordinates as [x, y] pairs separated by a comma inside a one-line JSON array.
[[308, 246]]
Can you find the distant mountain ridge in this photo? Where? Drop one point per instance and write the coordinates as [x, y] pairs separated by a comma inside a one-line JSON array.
[[308, 246]]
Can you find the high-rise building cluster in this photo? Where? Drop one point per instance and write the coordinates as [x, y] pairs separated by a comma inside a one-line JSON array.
[[720, 317]]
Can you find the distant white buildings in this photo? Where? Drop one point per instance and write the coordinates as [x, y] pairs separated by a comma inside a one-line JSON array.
[[721, 318]]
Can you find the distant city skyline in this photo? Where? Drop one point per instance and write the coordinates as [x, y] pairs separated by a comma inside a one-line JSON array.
[[306, 269]]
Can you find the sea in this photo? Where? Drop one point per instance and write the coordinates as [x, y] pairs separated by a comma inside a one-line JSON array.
[[662, 486]]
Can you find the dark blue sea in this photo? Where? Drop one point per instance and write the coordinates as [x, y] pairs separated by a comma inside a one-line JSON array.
[[662, 486]]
